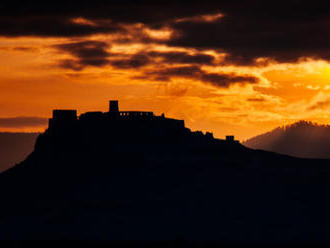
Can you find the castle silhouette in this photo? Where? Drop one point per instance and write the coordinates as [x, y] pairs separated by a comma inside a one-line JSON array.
[[128, 123], [67, 117]]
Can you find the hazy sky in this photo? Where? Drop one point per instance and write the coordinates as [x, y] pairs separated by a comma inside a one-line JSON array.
[[232, 67]]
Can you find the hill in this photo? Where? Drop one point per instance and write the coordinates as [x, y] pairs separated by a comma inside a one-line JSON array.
[[133, 176], [301, 139], [15, 147]]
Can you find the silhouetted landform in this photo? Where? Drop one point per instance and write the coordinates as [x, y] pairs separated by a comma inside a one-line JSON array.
[[15, 147], [139, 178], [301, 139]]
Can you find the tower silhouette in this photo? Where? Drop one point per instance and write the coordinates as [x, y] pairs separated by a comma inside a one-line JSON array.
[[113, 107]]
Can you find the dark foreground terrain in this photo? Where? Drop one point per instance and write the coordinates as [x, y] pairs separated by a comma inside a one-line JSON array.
[[136, 184]]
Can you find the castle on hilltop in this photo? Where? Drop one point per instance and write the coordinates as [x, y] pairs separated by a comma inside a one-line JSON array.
[[123, 125], [66, 117], [129, 122]]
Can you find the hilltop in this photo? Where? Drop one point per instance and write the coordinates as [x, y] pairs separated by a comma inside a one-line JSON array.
[[301, 139], [134, 176]]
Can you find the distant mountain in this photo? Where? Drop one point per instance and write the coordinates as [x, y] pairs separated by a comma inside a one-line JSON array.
[[15, 147], [301, 139], [133, 176]]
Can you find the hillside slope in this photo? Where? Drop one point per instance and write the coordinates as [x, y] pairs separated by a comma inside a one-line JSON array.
[[152, 185], [135, 176], [301, 139], [15, 147]]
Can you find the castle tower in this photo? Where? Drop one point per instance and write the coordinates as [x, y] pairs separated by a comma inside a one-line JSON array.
[[113, 107], [64, 115], [63, 118]]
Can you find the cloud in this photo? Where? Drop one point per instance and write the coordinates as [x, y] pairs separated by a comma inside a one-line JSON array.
[[134, 61], [201, 18], [23, 121], [322, 105], [183, 57], [72, 19], [282, 31], [85, 53], [140, 59], [222, 80], [54, 25], [95, 53], [128, 11]]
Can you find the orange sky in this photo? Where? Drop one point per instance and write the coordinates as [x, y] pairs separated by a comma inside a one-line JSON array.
[[32, 84]]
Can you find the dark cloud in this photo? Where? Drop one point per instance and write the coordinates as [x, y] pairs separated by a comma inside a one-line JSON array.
[[18, 122], [282, 31], [52, 26], [94, 53], [145, 58], [54, 18], [85, 53], [222, 80], [279, 30], [183, 57], [135, 61], [179, 71], [124, 11]]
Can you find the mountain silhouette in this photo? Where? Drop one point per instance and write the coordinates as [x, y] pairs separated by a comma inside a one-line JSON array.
[[137, 177], [301, 139], [15, 147]]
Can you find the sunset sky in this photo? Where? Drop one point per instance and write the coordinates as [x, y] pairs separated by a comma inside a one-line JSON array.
[[231, 67]]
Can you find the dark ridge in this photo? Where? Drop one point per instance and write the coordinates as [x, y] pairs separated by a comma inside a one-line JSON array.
[[137, 178], [301, 139]]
